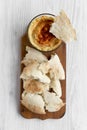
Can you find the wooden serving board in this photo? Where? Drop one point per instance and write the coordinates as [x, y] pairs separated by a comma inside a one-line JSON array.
[[61, 51]]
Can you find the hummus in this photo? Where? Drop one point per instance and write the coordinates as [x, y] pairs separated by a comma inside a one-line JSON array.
[[39, 35]]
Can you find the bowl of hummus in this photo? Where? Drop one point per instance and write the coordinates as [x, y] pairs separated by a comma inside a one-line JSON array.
[[39, 34]]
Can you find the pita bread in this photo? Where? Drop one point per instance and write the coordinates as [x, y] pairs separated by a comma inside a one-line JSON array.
[[53, 102], [44, 67], [32, 71], [33, 55], [62, 28], [56, 86], [54, 107], [56, 68], [33, 102], [34, 86], [39, 75]]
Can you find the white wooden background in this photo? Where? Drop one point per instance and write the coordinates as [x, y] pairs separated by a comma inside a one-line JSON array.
[[14, 18]]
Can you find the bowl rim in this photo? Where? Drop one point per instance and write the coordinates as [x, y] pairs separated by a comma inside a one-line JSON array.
[[37, 17], [42, 14]]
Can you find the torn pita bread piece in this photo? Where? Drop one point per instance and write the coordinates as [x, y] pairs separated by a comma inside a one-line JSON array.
[[34, 86], [33, 55], [53, 102], [44, 67], [53, 66], [56, 86], [33, 102], [31, 70], [56, 68], [62, 28]]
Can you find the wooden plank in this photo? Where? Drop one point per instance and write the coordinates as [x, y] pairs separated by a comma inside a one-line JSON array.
[[61, 51]]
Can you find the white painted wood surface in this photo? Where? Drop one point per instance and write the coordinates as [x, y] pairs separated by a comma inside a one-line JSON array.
[[14, 18]]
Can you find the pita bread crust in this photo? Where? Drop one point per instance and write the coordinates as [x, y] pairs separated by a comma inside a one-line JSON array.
[[56, 86], [44, 67], [34, 86], [53, 102], [56, 68], [33, 108], [62, 28], [33, 102], [33, 55], [27, 71], [54, 108], [31, 70]]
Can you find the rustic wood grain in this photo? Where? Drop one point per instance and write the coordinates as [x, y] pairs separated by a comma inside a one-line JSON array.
[[61, 51]]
